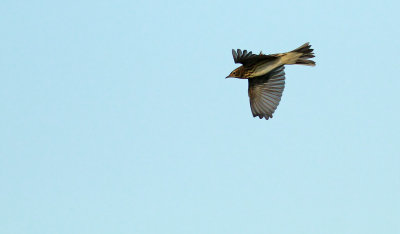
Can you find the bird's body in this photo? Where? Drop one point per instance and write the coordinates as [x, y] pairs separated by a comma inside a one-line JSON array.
[[267, 77]]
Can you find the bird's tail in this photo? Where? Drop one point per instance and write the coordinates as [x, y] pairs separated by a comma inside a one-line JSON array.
[[302, 55]]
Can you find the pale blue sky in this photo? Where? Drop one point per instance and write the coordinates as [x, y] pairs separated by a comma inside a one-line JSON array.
[[116, 118]]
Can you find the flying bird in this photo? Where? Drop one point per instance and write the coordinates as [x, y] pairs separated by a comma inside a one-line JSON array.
[[266, 76]]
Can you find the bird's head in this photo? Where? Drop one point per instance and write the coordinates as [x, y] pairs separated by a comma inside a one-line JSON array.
[[237, 73]]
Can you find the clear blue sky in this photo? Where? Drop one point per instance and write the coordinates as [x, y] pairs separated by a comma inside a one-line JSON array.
[[116, 118]]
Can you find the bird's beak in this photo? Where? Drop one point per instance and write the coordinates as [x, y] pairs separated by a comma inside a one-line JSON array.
[[227, 77]]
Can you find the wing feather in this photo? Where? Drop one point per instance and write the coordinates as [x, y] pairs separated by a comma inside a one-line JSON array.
[[245, 57], [265, 92]]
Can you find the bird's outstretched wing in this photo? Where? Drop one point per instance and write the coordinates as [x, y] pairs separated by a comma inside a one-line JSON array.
[[248, 57], [265, 92]]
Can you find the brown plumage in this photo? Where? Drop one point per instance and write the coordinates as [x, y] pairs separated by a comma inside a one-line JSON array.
[[266, 76]]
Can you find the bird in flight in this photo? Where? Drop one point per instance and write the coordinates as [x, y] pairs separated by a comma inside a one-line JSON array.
[[266, 76]]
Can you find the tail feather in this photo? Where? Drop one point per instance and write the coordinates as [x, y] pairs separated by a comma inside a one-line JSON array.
[[306, 53]]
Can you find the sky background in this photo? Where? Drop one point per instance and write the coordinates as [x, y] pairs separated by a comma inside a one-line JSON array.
[[116, 118]]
